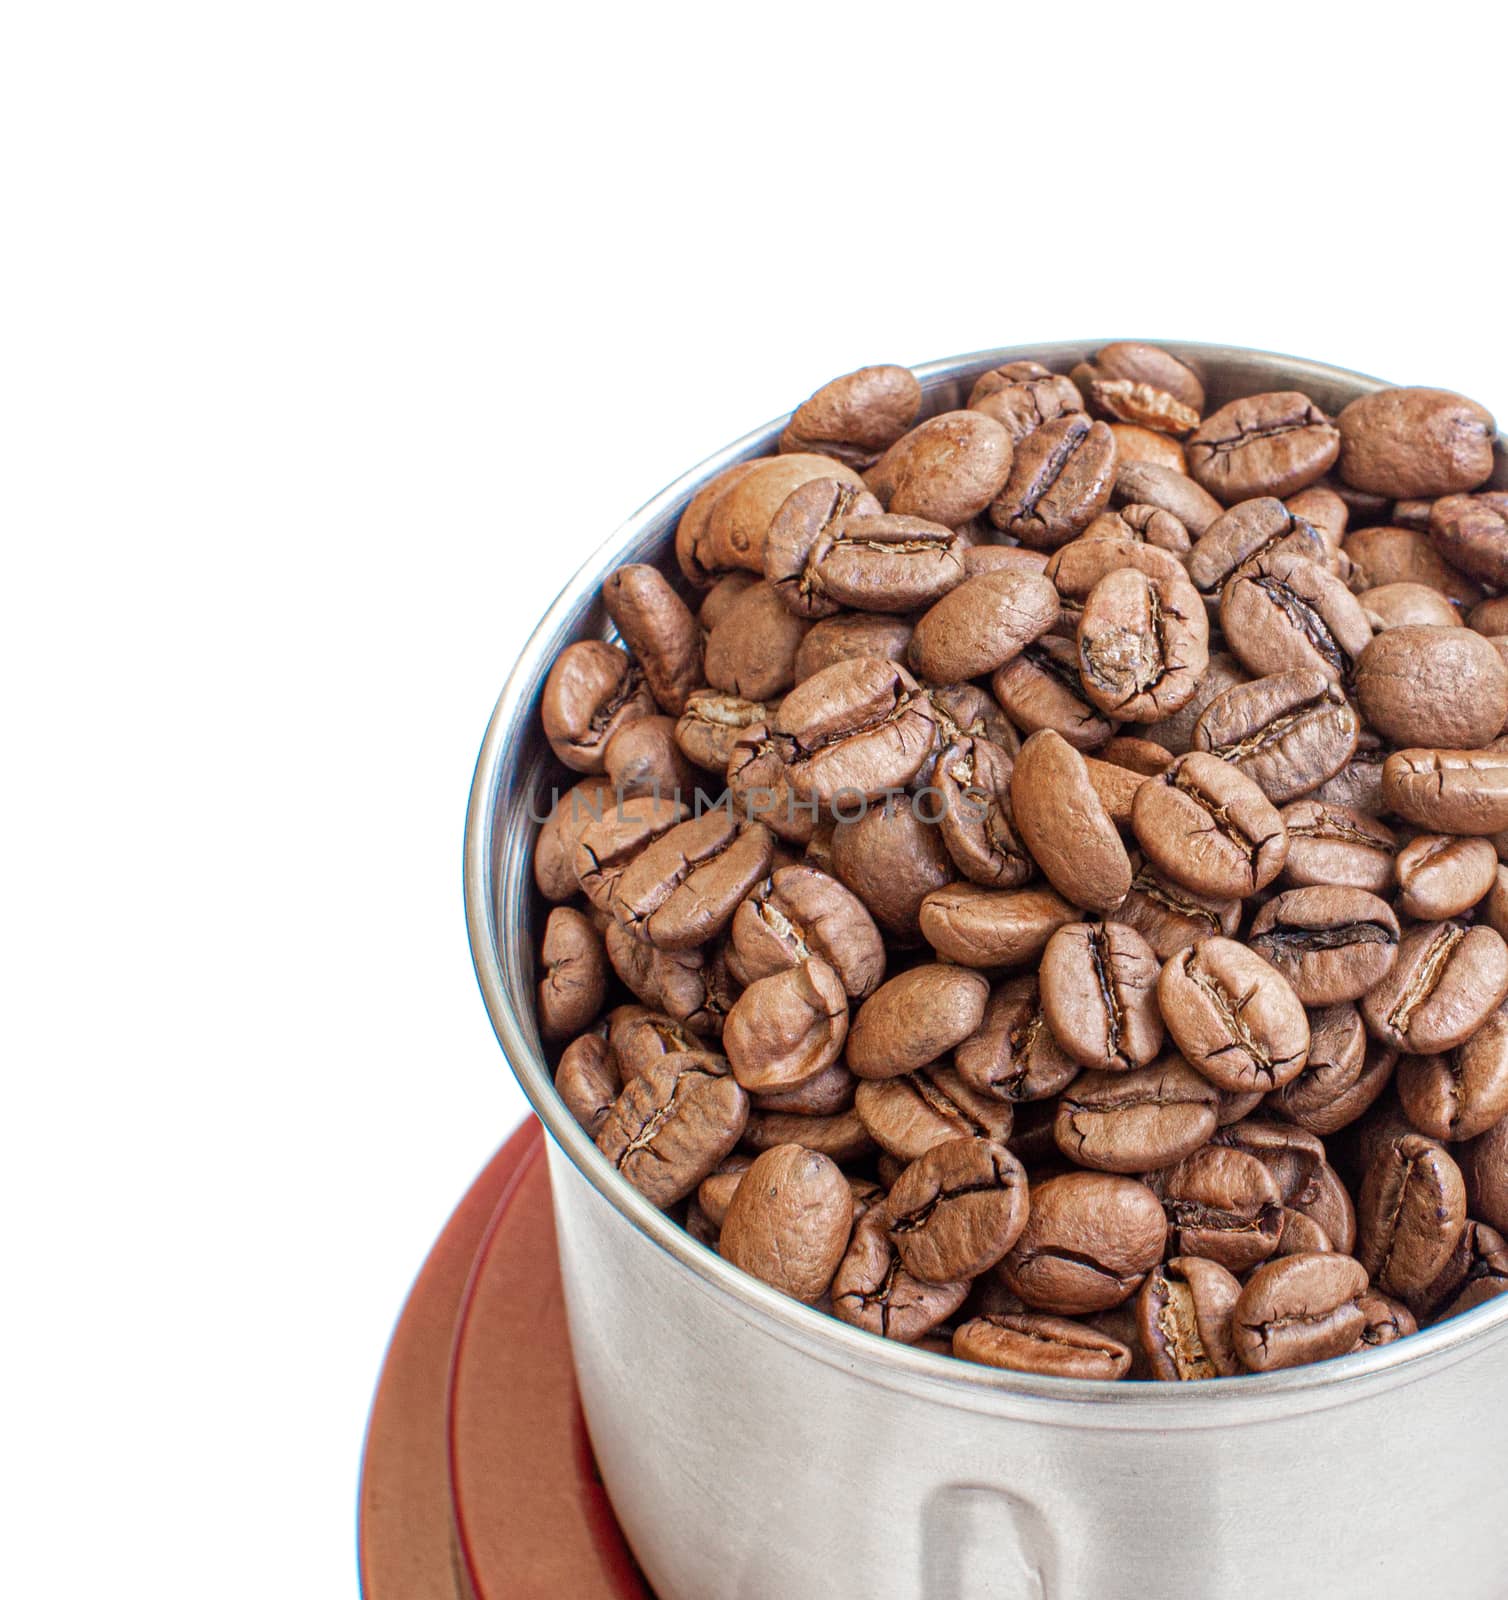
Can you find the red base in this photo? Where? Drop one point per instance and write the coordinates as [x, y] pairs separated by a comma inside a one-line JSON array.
[[478, 1481]]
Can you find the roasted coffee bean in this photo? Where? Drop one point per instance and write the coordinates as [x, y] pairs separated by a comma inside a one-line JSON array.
[[1404, 555], [981, 625], [712, 724], [789, 1221], [1415, 443], [718, 600], [873, 1290], [857, 417], [690, 986], [607, 846], [1116, 788], [1022, 395], [1059, 482], [1133, 443], [1298, 1309], [672, 1124], [1145, 525], [759, 787], [979, 927], [1082, 564], [1323, 509], [1495, 904], [1484, 1164], [1185, 1313], [1141, 384], [1041, 688], [832, 1090], [1143, 645], [1206, 825], [1407, 605], [1440, 875], [1264, 444], [1233, 1016], [965, 711], [785, 1029], [1014, 1055], [1223, 1205], [638, 1036], [642, 757], [1146, 483], [1471, 532], [855, 730], [955, 1211], [1337, 1054], [1448, 979], [1451, 791], [1301, 1235], [972, 778], [1476, 1273], [799, 913], [1444, 687], [1065, 827], [1410, 1214], [1490, 617], [1135, 1121], [1337, 846], [1239, 536], [1291, 1155], [892, 860], [592, 690], [555, 849], [915, 1017], [714, 1194], [1288, 732], [751, 653], [851, 636], [1358, 784], [682, 888], [946, 469], [1046, 1347], [842, 1136], [907, 1115], [658, 627], [1387, 1320], [1283, 613], [1462, 1093], [1089, 1241], [1099, 995], [575, 974], [587, 1080], [981, 558], [1330, 944], [1169, 916], [1175, 733]]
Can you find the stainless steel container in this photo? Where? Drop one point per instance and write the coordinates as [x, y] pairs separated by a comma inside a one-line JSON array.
[[755, 1448]]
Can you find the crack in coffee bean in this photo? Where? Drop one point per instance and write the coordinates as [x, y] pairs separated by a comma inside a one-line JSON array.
[[1426, 977], [1307, 620]]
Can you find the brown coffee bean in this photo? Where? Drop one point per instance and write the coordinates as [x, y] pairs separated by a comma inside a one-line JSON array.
[[1169, 916], [1184, 1314], [1452, 791], [638, 1036], [789, 1221], [954, 1212], [915, 1017], [1135, 1121], [715, 1194], [946, 469], [979, 927], [907, 1115], [555, 848], [1233, 1016], [1041, 688], [857, 417], [1391, 554], [1143, 645], [1065, 827], [1116, 788], [1014, 1055], [1330, 944], [712, 724], [1223, 1205], [690, 986], [1442, 687], [642, 757], [832, 1090], [1282, 613], [1059, 482], [1410, 1214], [1247, 531], [658, 627], [872, 1289], [850, 636], [592, 690], [1141, 384], [1358, 784], [799, 913], [1263, 444], [682, 888], [1337, 1054], [1175, 733], [1133, 443], [1099, 995], [1476, 1272], [1490, 617], [1206, 825], [587, 1080], [607, 846], [1146, 483], [1471, 532], [1484, 1164], [751, 653], [892, 860], [1090, 1239], [1287, 732], [1079, 566], [1339, 846], [1387, 1320], [785, 1029], [1022, 395], [1299, 1309], [981, 625], [972, 779], [1464, 1092], [1448, 979], [1324, 509], [575, 974], [1415, 443], [1440, 875], [1047, 1347], [841, 1136], [672, 1124], [1301, 1235], [1407, 605]]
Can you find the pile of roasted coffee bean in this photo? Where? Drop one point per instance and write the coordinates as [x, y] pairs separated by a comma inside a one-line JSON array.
[[1043, 904]]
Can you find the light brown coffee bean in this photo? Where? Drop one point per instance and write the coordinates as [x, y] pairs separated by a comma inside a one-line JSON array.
[[1133, 443], [1476, 1273], [972, 778], [979, 927], [712, 724], [658, 627], [1337, 1054], [1264, 444], [691, 986], [1337, 845], [1175, 733], [1065, 827], [1014, 1055], [1135, 1121], [1410, 1214], [607, 846], [1022, 395], [1223, 1205], [1059, 482], [638, 1036], [751, 653], [1147, 483], [714, 1194], [1450, 791], [1184, 1314], [1287, 732], [857, 417], [1443, 687], [555, 848], [1407, 605], [954, 1212], [841, 1136], [1462, 1093], [682, 888], [915, 1017], [946, 469], [1415, 443], [909, 1114], [1447, 980], [1141, 384], [1387, 1320], [872, 1289], [799, 913], [1233, 1016], [1247, 531], [1282, 613], [1099, 995], [592, 690], [1390, 554], [1484, 1164], [892, 860], [789, 1221], [982, 624], [849, 636], [1440, 875], [1206, 825], [575, 974], [1047, 1347], [785, 1029], [832, 1090], [1471, 532], [1169, 916], [587, 1080], [1041, 688], [1143, 645], [1330, 944], [1299, 1309], [642, 757]]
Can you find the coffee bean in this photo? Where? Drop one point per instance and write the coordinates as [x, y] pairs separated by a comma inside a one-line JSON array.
[[1415, 443], [1081, 565], [831, 1091], [608, 845], [587, 1080], [672, 1124], [1484, 1165], [789, 1221], [659, 630], [1143, 645], [575, 974], [955, 1211], [1298, 1309], [1169, 916], [1206, 825], [1047, 1347], [1442, 876], [1115, 787], [915, 1017], [1233, 1016], [691, 986], [1476, 1272], [714, 1194], [1337, 1054], [1014, 1055], [1041, 688], [1337, 846], [909, 1114], [1247, 531], [1448, 979], [1264, 444], [1405, 555], [850, 636], [1063, 824], [872, 1289], [555, 848], [1450, 791], [1407, 605], [1099, 995], [973, 781], [1471, 532], [841, 1136], [1324, 510], [785, 1029], [892, 860], [981, 625], [1282, 613], [1330, 944], [1185, 1314], [1133, 443], [979, 927], [1387, 1320], [1287, 732], [799, 913], [1135, 1121], [1175, 733], [1443, 687], [1410, 1214], [712, 724], [638, 1036], [1223, 1205], [751, 653], [1089, 1241], [946, 469], [1059, 482], [857, 417], [1164, 489], [592, 690], [642, 757], [1022, 395], [1464, 1092], [1141, 384]]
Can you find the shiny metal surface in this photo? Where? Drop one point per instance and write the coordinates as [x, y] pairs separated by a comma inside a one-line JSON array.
[[753, 1447]]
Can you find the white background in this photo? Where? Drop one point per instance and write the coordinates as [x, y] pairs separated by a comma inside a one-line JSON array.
[[335, 336]]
